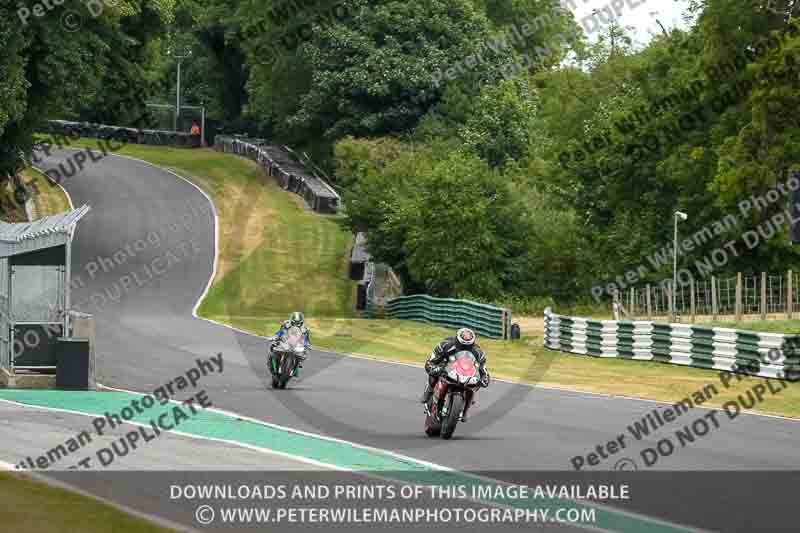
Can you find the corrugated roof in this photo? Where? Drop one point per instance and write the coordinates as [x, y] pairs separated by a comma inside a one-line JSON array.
[[23, 231]]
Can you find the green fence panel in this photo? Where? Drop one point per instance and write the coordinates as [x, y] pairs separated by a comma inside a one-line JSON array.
[[486, 320]]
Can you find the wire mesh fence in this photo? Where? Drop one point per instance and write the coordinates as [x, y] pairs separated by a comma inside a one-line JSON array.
[[762, 295]]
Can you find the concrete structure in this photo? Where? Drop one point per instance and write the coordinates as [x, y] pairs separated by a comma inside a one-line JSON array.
[[35, 297]]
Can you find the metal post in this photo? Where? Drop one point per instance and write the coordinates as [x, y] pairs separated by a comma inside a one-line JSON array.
[[714, 309], [203, 127], [10, 318], [789, 297], [738, 297], [683, 216], [671, 302], [633, 302], [178, 97], [763, 296], [691, 296], [674, 267], [67, 274], [649, 304]]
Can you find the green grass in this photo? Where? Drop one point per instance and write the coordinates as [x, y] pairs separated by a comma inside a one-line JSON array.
[[30, 507], [527, 361], [276, 257], [49, 198], [10, 209], [766, 326]]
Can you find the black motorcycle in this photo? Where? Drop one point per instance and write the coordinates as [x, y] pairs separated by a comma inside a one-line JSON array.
[[286, 356]]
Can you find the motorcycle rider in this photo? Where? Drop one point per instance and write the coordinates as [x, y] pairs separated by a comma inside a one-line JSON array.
[[296, 319], [464, 340]]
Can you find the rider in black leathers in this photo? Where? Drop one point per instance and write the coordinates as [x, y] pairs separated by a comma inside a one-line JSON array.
[[464, 340]]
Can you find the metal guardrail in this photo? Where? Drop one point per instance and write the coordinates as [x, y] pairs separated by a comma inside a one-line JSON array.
[[76, 130], [486, 320], [769, 355], [283, 165]]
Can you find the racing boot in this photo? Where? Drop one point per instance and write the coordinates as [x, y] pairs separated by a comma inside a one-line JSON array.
[[426, 396]]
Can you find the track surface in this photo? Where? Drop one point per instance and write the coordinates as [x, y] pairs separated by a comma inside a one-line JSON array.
[[32, 432], [150, 336]]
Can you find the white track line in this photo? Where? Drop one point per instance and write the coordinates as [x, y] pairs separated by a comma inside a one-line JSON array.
[[168, 524], [283, 428], [271, 425], [365, 358], [574, 391], [267, 451], [369, 474], [54, 182]]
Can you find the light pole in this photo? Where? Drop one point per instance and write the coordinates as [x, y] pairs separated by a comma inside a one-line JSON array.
[[681, 216], [180, 58]]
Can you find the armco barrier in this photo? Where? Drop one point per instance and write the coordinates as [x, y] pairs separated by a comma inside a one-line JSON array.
[[75, 130], [281, 163], [769, 355], [486, 320]]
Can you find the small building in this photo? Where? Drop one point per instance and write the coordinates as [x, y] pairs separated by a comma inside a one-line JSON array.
[[359, 257], [35, 318]]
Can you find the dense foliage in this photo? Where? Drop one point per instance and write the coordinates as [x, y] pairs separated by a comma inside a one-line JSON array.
[[74, 58], [486, 148]]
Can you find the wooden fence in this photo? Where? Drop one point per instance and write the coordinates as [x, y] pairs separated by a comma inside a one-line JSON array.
[[738, 296]]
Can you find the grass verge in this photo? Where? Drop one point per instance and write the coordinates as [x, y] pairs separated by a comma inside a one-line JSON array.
[[281, 258], [528, 361], [48, 198], [276, 256], [32, 507]]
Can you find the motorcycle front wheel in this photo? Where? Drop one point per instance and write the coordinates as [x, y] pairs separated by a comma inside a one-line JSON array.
[[286, 369], [455, 404]]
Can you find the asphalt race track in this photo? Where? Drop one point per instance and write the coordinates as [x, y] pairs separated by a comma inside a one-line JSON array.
[[149, 335]]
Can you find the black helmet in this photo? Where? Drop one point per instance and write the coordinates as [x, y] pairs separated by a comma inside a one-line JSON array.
[[465, 337], [297, 319]]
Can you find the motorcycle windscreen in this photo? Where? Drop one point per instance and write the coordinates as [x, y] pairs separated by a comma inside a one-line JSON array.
[[464, 364], [294, 336]]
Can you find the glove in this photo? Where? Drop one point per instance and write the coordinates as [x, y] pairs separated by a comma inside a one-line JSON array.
[[485, 379], [437, 371]]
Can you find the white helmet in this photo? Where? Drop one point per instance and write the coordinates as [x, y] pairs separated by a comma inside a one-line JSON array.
[[465, 337]]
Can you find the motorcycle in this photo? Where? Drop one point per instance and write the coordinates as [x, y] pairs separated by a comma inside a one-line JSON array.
[[285, 357], [447, 402]]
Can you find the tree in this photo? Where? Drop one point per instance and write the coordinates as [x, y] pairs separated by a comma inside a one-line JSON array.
[[46, 71]]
